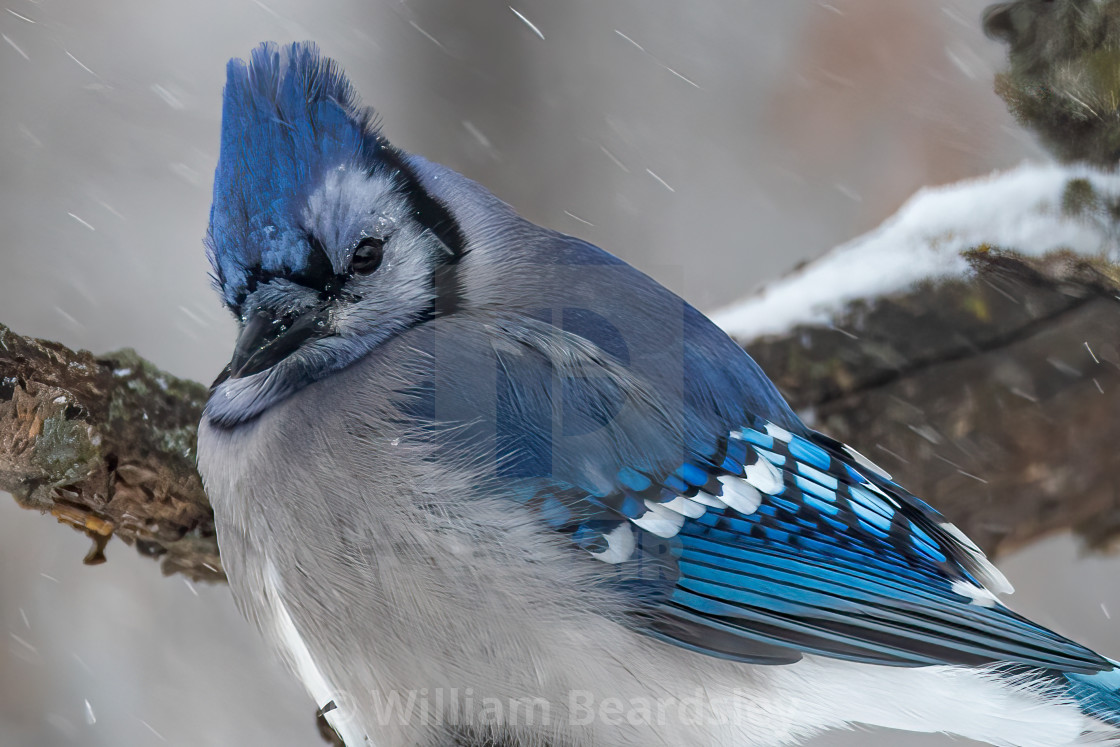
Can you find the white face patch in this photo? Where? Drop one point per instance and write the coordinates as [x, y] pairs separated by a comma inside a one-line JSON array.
[[349, 205]]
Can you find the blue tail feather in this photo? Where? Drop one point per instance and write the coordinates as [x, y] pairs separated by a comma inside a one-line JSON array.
[[1098, 695]]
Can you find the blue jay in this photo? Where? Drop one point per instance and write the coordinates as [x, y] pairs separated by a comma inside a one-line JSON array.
[[482, 483]]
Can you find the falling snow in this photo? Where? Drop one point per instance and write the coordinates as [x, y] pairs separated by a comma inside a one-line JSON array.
[[528, 23]]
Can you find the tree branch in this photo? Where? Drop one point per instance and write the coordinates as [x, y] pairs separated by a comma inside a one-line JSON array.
[[107, 445], [993, 396], [992, 393]]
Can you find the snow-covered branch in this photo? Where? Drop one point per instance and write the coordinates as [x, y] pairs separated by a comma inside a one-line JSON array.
[[970, 344], [1034, 210]]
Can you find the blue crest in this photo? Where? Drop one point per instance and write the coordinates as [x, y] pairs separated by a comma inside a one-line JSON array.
[[288, 116]]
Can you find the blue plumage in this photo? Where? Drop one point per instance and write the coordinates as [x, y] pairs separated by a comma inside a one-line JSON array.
[[827, 566], [775, 537], [506, 364], [1097, 694], [288, 116]]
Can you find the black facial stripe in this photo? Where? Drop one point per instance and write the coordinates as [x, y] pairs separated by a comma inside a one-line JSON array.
[[426, 209], [318, 275], [448, 286], [225, 374], [436, 218]]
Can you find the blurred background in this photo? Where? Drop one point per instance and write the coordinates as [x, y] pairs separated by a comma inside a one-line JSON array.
[[715, 144]]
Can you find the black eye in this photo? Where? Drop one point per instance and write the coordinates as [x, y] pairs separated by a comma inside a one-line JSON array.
[[367, 257]]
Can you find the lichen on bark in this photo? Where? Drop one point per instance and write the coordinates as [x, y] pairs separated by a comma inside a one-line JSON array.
[[992, 396], [107, 445]]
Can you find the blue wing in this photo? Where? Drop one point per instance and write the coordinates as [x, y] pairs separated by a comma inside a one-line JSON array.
[[734, 529], [813, 552]]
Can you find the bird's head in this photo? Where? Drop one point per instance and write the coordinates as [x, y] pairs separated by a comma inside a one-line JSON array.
[[322, 240]]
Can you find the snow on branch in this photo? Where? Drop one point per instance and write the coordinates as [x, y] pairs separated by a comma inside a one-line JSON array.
[[970, 344], [986, 379], [1034, 210]]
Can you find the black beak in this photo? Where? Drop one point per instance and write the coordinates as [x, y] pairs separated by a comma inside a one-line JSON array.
[[265, 340]]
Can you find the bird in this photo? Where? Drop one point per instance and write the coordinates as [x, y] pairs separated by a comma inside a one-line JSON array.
[[479, 482]]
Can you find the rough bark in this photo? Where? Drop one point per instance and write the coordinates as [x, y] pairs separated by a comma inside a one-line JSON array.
[[107, 445], [993, 396]]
